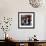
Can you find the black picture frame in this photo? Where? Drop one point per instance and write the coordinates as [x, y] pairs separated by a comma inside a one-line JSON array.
[[22, 20]]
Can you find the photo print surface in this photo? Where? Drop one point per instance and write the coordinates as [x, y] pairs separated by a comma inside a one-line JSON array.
[[26, 20]]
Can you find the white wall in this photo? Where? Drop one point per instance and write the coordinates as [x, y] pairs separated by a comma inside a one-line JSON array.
[[10, 8]]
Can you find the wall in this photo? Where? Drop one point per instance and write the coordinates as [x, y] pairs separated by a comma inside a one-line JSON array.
[[10, 8]]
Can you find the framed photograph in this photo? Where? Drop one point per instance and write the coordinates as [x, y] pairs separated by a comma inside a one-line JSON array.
[[26, 20]]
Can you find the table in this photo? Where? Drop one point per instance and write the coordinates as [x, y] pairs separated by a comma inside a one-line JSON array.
[[27, 42]]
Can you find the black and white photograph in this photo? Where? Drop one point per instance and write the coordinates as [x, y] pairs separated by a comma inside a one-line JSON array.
[[26, 19]]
